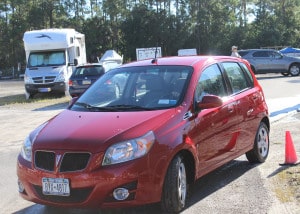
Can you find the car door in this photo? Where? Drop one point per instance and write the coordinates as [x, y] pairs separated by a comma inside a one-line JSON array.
[[215, 129], [277, 62], [247, 99], [261, 60]]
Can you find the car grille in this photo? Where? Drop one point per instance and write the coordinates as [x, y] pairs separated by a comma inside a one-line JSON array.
[[77, 195], [43, 80], [67, 162]]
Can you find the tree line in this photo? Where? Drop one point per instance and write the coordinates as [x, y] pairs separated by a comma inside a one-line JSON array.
[[210, 26]]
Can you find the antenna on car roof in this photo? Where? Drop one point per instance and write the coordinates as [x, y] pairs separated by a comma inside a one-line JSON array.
[[154, 61]]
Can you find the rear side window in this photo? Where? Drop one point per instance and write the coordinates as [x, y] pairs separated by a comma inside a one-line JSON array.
[[237, 78], [243, 53], [261, 54], [248, 74]]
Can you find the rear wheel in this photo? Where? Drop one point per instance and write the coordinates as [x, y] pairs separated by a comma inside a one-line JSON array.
[[175, 187], [260, 150], [294, 70]]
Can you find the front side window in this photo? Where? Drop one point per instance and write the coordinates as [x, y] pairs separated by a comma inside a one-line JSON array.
[[275, 55], [42, 59], [136, 89], [236, 76], [210, 82]]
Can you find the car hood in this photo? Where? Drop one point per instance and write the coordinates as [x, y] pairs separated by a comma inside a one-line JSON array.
[[42, 71], [95, 131]]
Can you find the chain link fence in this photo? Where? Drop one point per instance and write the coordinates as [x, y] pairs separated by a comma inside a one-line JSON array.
[[12, 73]]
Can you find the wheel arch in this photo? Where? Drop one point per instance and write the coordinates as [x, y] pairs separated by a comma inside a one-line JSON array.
[[294, 64], [189, 161], [267, 122]]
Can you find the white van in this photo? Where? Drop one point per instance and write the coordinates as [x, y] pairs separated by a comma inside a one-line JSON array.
[[51, 56]]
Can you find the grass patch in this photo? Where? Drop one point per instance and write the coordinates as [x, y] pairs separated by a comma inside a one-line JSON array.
[[288, 187], [39, 98]]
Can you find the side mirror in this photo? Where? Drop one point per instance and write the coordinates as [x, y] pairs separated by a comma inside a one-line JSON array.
[[210, 101], [75, 63]]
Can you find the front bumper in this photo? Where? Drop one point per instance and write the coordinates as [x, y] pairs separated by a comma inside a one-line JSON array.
[[45, 88], [94, 188]]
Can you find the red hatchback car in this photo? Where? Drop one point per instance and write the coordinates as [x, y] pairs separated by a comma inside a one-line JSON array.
[[173, 120]]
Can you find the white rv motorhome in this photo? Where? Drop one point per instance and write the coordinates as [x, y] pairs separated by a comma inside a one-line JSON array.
[[51, 56]]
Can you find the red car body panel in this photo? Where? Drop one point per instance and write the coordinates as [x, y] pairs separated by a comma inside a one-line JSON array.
[[212, 137]]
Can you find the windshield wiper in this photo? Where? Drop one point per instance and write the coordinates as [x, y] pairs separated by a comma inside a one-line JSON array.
[[129, 107], [113, 108], [93, 108]]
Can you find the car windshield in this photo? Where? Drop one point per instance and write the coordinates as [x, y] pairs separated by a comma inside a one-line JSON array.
[[41, 59], [136, 89]]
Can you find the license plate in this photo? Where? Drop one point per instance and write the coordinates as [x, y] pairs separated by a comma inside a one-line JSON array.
[[56, 186], [86, 82], [44, 89]]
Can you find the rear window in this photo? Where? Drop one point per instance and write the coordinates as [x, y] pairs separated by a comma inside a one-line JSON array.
[[89, 71]]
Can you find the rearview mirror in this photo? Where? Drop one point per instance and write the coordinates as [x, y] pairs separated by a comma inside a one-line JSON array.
[[210, 101]]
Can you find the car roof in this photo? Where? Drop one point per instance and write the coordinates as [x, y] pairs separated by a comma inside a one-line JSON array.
[[89, 64], [182, 60], [258, 49]]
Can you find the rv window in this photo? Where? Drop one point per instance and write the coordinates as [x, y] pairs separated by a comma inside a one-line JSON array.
[[71, 40], [77, 51]]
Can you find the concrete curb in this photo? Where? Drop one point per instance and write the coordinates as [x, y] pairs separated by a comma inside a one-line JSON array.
[[283, 115]]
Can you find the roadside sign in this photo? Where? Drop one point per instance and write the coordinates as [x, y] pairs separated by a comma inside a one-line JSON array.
[[148, 53], [187, 52]]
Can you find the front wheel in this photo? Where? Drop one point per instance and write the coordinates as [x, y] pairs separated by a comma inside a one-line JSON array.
[[294, 70], [28, 95], [175, 187], [260, 150]]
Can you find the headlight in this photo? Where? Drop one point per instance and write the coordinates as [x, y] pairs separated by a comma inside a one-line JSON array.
[[129, 150], [28, 79], [60, 77], [26, 150]]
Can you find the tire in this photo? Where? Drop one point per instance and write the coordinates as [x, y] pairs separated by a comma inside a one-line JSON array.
[[285, 74], [175, 189], [294, 70], [28, 95], [260, 150]]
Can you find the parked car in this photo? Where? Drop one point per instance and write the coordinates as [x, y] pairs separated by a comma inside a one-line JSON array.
[[271, 61], [83, 77], [175, 120]]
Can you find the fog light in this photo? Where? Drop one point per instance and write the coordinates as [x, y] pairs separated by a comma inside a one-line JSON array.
[[21, 187], [121, 194]]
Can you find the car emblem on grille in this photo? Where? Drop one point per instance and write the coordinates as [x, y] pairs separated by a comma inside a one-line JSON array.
[[57, 159]]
